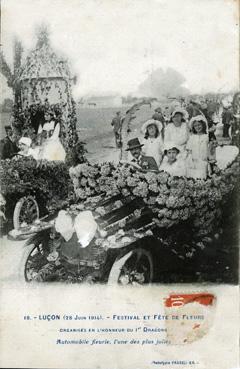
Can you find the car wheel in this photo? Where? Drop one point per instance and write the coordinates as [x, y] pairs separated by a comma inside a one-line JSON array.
[[134, 268]]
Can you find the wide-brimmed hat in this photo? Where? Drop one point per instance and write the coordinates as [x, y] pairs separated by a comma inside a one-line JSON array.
[[25, 141], [133, 144], [158, 110], [198, 118], [180, 111], [171, 145], [150, 122]]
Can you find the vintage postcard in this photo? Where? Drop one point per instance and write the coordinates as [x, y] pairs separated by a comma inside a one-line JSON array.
[[119, 176]]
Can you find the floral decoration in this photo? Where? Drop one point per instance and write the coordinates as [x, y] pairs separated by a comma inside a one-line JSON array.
[[172, 199]]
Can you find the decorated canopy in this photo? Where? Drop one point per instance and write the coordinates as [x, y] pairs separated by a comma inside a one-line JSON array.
[[45, 75], [43, 82]]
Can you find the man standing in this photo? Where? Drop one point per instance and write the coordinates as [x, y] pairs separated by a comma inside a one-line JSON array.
[[146, 163], [117, 128], [227, 118], [8, 147]]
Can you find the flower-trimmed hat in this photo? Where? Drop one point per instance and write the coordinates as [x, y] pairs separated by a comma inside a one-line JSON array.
[[170, 145], [198, 118], [133, 144], [25, 141], [149, 123], [180, 111]]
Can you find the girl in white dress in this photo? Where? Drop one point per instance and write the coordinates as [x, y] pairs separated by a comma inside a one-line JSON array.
[[197, 148], [153, 142], [177, 130]]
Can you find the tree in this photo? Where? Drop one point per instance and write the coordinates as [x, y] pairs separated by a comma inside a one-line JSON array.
[[6, 70], [162, 83]]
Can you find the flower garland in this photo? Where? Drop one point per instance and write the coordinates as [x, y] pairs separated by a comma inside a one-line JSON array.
[[172, 199]]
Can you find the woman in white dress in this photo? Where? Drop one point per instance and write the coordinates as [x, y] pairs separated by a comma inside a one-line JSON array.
[[52, 148], [153, 142], [177, 130], [172, 162], [197, 148]]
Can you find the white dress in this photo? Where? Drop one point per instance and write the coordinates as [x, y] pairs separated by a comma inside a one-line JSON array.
[[34, 152], [177, 168], [52, 149], [153, 147], [198, 144], [197, 160], [177, 135]]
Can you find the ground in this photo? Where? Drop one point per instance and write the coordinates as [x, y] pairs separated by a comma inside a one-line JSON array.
[[94, 128]]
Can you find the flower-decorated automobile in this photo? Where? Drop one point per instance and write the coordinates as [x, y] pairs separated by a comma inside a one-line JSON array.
[[126, 226]]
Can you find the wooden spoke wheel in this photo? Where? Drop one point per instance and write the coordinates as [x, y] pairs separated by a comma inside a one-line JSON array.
[[26, 211], [33, 260]]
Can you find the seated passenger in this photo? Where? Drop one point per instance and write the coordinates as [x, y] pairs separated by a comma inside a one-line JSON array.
[[25, 146], [8, 147], [153, 142], [146, 163], [172, 163], [197, 148]]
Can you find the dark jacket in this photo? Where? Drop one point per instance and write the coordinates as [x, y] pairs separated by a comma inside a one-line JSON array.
[[117, 124], [8, 149], [146, 163]]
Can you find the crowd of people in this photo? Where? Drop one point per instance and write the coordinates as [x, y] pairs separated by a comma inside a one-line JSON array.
[[184, 143]]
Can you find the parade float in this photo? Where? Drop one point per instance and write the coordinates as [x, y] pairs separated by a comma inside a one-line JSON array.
[[104, 222], [42, 82], [123, 225]]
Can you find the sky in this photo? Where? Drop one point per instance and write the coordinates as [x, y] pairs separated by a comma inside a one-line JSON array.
[[114, 45]]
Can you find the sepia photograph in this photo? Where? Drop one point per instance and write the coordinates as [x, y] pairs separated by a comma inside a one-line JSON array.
[[119, 150]]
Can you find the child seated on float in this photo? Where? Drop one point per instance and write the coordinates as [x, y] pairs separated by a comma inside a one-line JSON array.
[[197, 148], [172, 163], [28, 148], [153, 142], [24, 145]]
